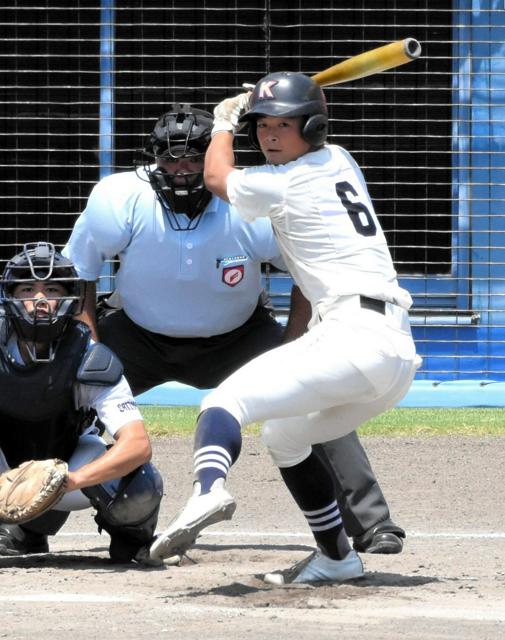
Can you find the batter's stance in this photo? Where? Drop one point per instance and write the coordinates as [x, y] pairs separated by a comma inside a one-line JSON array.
[[188, 303], [358, 358]]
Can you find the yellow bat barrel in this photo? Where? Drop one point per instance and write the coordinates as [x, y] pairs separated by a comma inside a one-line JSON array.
[[366, 64]]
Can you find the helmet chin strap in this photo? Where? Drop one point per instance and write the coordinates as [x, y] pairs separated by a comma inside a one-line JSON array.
[[175, 219]]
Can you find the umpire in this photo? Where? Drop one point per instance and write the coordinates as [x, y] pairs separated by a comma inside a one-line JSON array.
[[188, 303]]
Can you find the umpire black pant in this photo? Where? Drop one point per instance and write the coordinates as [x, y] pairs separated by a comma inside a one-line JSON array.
[[150, 359]]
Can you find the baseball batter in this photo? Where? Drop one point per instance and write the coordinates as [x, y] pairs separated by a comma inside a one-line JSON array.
[[188, 303], [357, 360]]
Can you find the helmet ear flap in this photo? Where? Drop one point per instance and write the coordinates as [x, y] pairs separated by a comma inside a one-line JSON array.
[[315, 129]]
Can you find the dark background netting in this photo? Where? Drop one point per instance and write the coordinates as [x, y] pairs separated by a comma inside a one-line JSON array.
[[397, 125]]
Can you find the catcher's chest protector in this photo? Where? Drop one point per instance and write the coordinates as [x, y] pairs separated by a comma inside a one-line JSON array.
[[38, 418]]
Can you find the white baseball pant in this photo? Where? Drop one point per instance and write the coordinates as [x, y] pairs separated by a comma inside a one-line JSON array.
[[355, 364]]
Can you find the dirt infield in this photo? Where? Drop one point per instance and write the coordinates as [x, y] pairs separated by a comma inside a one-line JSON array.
[[449, 582]]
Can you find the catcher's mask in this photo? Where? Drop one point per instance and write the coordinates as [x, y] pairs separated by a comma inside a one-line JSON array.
[[182, 132], [290, 95], [40, 262]]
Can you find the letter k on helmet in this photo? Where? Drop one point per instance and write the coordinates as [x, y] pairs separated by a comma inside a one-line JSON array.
[[266, 89]]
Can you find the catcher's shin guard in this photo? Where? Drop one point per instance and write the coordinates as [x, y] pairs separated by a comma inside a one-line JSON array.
[[129, 513], [16, 540], [48, 523]]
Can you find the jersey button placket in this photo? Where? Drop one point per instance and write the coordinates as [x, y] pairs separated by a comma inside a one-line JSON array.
[[187, 266]]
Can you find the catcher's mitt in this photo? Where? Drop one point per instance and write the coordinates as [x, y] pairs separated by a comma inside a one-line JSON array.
[[31, 489]]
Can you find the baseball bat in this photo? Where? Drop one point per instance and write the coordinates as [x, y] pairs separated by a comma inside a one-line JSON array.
[[366, 64]]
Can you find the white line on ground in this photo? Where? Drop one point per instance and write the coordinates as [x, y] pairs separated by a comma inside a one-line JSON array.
[[63, 597], [347, 612], [489, 612], [279, 534]]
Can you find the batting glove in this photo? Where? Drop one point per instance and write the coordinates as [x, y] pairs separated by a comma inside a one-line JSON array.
[[227, 113]]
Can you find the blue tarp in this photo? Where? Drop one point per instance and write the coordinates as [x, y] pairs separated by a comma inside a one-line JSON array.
[[423, 393]]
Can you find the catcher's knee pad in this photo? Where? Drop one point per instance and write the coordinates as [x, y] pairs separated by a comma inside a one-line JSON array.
[[128, 510]]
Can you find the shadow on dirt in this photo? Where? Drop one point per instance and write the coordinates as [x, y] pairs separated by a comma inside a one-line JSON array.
[[85, 561], [323, 595]]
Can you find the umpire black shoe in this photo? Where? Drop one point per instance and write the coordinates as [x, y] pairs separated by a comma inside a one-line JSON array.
[[16, 541], [384, 537]]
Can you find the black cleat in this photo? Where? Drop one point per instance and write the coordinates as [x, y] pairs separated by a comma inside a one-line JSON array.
[[16, 541], [384, 537]]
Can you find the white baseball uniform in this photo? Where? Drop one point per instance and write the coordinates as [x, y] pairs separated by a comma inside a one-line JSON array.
[[353, 363]]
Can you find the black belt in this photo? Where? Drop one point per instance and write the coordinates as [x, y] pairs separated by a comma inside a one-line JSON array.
[[373, 304]]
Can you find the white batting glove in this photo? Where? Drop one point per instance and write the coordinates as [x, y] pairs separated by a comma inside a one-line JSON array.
[[227, 113]]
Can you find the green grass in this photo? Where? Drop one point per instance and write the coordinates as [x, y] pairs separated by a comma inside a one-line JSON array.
[[180, 421]]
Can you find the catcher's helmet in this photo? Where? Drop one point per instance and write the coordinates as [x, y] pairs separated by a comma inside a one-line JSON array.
[[182, 132], [289, 94], [39, 261]]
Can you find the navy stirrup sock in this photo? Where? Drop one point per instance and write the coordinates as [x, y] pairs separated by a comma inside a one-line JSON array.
[[312, 487], [218, 441]]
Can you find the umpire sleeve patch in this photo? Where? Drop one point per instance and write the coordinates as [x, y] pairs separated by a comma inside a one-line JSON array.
[[100, 366]]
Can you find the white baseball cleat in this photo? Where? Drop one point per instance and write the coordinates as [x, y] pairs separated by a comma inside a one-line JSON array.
[[319, 568], [199, 512], [173, 561]]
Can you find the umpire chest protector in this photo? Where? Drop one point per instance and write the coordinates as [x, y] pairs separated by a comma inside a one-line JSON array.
[[38, 415]]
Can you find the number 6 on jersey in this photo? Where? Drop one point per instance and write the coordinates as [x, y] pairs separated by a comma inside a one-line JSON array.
[[361, 217]]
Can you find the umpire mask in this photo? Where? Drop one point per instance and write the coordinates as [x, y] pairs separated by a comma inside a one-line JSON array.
[[180, 138]]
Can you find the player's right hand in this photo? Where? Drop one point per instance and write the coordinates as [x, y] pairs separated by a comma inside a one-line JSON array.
[[228, 111]]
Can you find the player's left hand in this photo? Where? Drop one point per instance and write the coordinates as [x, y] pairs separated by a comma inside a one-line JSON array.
[[31, 489], [228, 111]]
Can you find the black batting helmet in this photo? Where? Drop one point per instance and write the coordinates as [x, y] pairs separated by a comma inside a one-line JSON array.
[[182, 132], [289, 94], [39, 261]]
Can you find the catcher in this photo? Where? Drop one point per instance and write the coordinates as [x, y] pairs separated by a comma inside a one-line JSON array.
[[57, 387]]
